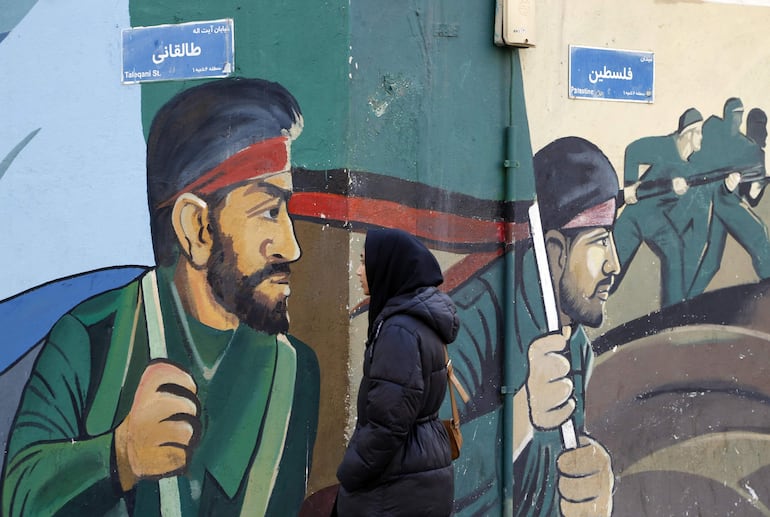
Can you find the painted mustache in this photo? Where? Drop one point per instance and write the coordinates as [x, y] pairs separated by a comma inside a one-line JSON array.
[[604, 285], [260, 276]]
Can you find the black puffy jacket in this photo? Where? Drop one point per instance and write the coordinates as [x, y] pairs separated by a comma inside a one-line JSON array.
[[398, 460]]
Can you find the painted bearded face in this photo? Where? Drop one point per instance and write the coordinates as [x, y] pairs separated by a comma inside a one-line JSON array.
[[589, 272], [253, 246]]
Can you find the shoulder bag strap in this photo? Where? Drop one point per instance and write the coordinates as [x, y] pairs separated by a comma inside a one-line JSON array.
[[453, 382]]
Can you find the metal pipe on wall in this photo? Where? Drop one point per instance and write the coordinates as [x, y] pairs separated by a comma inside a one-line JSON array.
[[518, 186]]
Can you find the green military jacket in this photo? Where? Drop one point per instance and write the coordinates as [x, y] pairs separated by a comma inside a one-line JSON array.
[[477, 357], [258, 429]]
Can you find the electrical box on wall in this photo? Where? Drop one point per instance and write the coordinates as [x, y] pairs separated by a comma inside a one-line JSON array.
[[515, 23]]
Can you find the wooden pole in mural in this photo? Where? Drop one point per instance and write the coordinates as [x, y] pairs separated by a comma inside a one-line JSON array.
[[170, 504], [549, 300]]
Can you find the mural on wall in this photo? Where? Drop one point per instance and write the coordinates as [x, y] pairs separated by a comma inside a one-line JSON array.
[[148, 379], [690, 435], [49, 118], [639, 414], [82, 154], [674, 419], [576, 188], [685, 192], [678, 402], [680, 396]]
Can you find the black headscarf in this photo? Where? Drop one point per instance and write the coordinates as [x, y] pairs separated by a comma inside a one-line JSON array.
[[396, 263]]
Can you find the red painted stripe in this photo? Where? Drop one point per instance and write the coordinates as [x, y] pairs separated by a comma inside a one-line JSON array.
[[427, 224], [266, 157]]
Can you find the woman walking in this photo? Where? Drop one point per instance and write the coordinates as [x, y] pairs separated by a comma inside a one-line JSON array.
[[398, 461]]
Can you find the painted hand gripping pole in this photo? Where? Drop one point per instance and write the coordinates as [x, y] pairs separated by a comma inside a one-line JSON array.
[[549, 300], [169, 487]]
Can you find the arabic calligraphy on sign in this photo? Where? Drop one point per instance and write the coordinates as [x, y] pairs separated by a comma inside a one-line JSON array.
[[600, 75], [211, 29], [170, 52], [611, 74], [176, 50]]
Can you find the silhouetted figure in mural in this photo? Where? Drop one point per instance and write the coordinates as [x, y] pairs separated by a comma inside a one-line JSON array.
[[721, 203], [576, 187], [756, 131], [187, 371], [651, 197]]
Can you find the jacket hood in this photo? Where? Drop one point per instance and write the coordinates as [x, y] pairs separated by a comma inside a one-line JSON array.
[[396, 263], [431, 306]]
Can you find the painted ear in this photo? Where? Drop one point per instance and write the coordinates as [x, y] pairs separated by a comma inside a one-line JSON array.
[[190, 219], [556, 249]]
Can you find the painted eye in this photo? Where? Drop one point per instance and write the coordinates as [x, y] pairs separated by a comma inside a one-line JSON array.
[[272, 213]]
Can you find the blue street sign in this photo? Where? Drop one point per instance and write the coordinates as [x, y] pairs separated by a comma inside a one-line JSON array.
[[611, 74], [175, 52]]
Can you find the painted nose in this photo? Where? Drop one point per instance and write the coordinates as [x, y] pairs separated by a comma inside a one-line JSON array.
[[284, 244], [612, 264]]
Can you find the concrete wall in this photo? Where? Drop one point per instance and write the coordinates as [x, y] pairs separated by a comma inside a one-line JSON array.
[[406, 109]]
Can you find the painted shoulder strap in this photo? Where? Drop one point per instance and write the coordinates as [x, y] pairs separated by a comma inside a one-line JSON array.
[[264, 470]]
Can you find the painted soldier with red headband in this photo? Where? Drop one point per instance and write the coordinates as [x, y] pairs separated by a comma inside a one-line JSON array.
[[177, 393], [576, 189]]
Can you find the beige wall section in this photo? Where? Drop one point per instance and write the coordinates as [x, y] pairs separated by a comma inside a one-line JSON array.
[[318, 306], [704, 54], [357, 331]]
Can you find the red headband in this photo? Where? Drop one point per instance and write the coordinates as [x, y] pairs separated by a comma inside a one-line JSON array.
[[600, 215], [266, 157]]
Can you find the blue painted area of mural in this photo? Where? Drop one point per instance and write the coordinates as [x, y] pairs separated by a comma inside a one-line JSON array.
[[6, 162], [75, 196], [25, 319], [12, 13], [610, 74]]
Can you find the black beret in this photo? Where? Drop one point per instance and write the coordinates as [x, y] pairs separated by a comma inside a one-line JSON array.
[[571, 176]]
